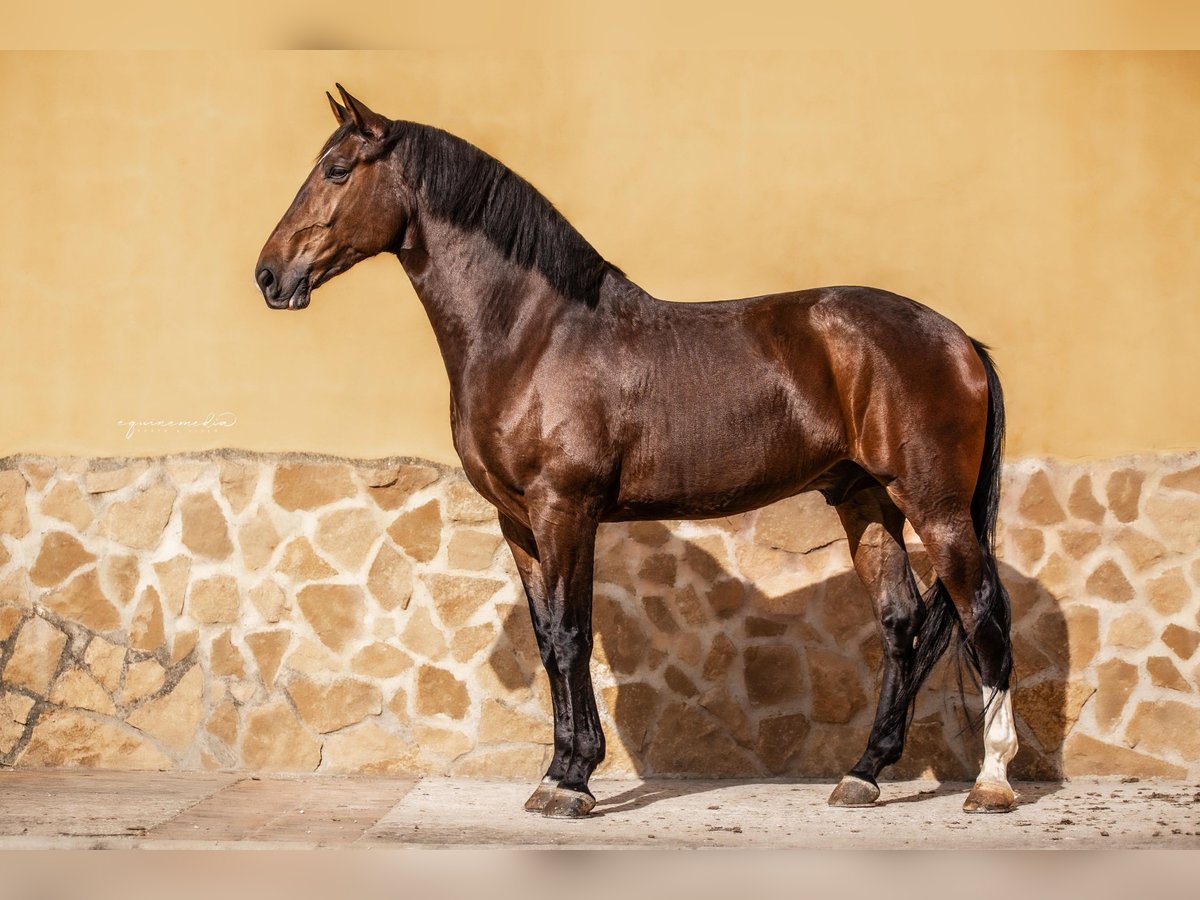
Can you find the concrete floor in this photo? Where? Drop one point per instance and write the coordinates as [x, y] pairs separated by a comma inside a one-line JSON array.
[[78, 809]]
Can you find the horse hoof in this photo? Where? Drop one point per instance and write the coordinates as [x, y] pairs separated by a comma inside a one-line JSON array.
[[541, 796], [853, 792], [565, 803], [990, 797]]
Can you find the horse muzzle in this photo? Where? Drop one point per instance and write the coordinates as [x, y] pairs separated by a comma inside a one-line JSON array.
[[291, 292]]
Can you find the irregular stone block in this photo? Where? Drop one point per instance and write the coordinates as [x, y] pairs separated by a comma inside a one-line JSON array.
[[441, 744], [1182, 641], [1130, 630], [1084, 755], [105, 480], [419, 532], [633, 708], [1038, 503], [346, 536], [719, 659], [718, 702], [1124, 490], [1083, 503], [66, 738], [146, 628], [300, 563], [105, 660], [467, 642], [1176, 517], [371, 750], [620, 636], [457, 597], [270, 600], [464, 504], [138, 523], [1139, 549], [328, 707], [311, 485], [238, 481], [215, 600], [798, 524], [335, 612], [471, 549], [83, 601], [35, 656], [772, 674], [1169, 592], [173, 580], [394, 494], [14, 516], [1166, 726], [1164, 674], [119, 574], [60, 555], [224, 658], [1051, 708], [223, 723], [205, 531], [689, 741], [780, 740], [439, 691], [390, 578], [380, 660], [1186, 480], [258, 539], [422, 637], [1116, 683], [143, 679], [837, 693], [1108, 582], [678, 682], [502, 724], [273, 740], [174, 718], [66, 503], [268, 648]]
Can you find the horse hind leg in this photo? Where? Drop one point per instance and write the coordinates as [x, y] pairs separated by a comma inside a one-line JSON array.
[[875, 528], [968, 578]]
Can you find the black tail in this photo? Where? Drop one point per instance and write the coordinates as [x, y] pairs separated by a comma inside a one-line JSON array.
[[942, 621]]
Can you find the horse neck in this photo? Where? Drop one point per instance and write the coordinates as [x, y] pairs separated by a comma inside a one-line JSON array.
[[482, 306]]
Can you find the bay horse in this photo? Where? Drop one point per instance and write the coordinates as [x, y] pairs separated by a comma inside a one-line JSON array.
[[577, 398]]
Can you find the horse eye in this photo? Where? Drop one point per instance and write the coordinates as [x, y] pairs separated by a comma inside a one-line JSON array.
[[336, 172]]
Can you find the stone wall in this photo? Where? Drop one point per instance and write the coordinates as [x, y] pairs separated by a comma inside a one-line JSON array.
[[238, 611]]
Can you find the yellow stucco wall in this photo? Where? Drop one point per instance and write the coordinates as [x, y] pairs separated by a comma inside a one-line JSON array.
[[1048, 202]]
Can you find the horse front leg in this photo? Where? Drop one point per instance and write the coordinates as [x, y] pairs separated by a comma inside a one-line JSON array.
[[525, 555], [565, 541]]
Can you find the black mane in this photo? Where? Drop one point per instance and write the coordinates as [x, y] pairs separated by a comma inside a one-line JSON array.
[[463, 185]]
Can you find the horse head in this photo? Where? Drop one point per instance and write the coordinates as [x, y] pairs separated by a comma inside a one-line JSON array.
[[352, 206]]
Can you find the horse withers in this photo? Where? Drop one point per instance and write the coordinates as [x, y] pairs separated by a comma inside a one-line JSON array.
[[577, 398]]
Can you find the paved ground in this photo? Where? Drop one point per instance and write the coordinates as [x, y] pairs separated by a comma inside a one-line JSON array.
[[76, 809]]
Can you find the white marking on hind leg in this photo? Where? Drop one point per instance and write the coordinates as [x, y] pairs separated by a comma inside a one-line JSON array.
[[999, 739]]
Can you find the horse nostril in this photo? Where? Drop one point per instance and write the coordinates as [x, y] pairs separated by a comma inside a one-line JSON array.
[[265, 278]]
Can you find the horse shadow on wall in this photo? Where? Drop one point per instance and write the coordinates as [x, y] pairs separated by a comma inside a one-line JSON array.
[[747, 647]]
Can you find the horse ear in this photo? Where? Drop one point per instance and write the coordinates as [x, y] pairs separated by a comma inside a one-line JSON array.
[[369, 123], [339, 111]]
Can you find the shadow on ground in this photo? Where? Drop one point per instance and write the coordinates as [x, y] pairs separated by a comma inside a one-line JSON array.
[[713, 678]]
